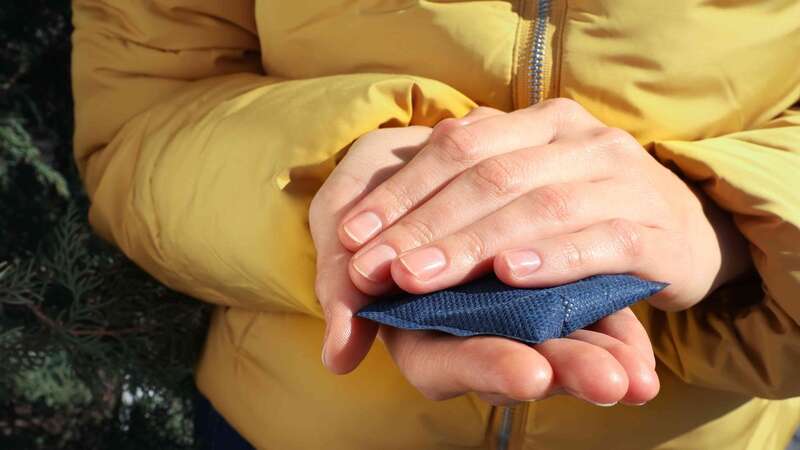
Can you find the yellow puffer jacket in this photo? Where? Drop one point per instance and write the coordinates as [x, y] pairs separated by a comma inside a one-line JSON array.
[[204, 127]]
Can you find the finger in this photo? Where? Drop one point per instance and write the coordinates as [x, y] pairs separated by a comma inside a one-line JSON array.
[[585, 370], [525, 224], [642, 379], [613, 246], [348, 338], [366, 223], [625, 326], [442, 366], [452, 149], [481, 190]]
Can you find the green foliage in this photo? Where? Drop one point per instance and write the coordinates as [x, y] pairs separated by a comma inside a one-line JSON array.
[[96, 354], [19, 149]]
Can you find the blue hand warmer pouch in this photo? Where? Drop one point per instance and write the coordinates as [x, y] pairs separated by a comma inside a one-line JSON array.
[[487, 306]]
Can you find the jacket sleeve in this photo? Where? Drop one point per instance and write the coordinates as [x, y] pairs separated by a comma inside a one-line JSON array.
[[746, 336], [199, 166]]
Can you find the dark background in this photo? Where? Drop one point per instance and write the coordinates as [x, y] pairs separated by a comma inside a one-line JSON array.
[[94, 353]]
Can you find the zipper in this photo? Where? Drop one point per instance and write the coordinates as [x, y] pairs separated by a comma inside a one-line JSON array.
[[504, 432], [532, 58], [537, 53]]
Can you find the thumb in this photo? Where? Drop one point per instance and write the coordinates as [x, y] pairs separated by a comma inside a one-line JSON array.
[[369, 161], [347, 338]]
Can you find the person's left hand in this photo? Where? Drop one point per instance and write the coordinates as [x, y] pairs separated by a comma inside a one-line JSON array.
[[544, 196]]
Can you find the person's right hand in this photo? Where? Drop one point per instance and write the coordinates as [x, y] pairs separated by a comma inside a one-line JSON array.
[[609, 362]]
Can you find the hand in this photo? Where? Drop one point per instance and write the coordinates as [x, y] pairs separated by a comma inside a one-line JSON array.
[[612, 361], [543, 196], [369, 161]]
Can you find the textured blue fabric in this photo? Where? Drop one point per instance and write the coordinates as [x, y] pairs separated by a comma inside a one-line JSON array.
[[487, 306]]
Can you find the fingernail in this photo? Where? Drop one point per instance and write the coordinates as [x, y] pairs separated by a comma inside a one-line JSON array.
[[575, 394], [375, 263], [604, 405], [363, 226], [424, 264], [522, 262]]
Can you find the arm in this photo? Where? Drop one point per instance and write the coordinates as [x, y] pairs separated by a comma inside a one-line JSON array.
[[199, 166], [746, 336]]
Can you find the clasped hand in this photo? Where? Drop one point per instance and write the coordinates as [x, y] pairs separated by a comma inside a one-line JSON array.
[[540, 196]]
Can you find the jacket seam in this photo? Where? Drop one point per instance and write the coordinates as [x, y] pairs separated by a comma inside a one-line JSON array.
[[254, 316], [558, 49], [516, 61]]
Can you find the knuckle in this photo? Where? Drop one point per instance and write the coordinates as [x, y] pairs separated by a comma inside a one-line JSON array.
[[446, 125], [414, 231], [397, 198], [473, 245], [561, 111], [566, 108], [459, 145], [628, 238], [618, 141], [572, 255], [611, 136], [496, 176], [485, 111], [552, 203], [560, 103]]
